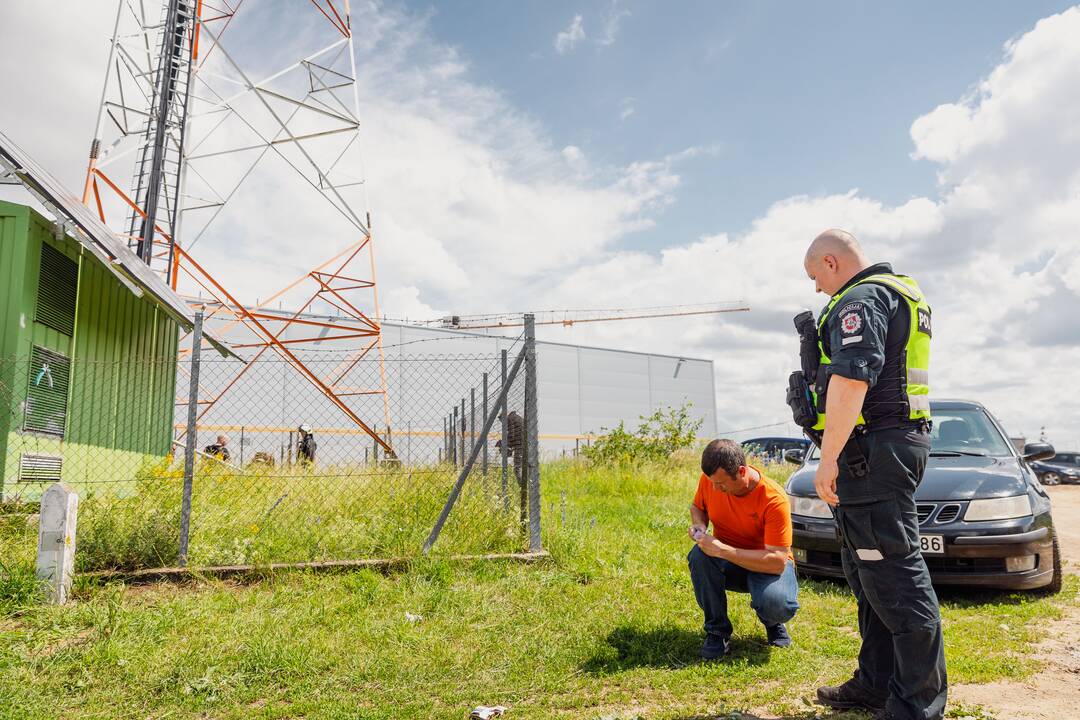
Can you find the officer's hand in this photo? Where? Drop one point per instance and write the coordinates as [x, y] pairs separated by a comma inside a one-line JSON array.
[[825, 481]]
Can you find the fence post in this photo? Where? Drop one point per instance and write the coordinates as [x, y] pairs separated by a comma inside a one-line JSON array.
[[464, 429], [484, 463], [503, 439], [472, 416], [453, 437], [408, 443], [56, 540], [474, 454], [189, 449], [532, 433]]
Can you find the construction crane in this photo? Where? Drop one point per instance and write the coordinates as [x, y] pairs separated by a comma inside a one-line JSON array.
[[568, 318]]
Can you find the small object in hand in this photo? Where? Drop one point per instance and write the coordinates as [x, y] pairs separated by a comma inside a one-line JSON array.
[[483, 712], [698, 533]]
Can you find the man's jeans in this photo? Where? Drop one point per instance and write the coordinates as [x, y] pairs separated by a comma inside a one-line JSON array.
[[773, 597]]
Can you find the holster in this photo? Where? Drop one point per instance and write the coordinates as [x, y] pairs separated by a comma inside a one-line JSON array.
[[853, 454], [801, 402]]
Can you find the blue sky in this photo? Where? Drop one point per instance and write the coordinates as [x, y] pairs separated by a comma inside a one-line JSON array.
[[507, 175], [797, 98]]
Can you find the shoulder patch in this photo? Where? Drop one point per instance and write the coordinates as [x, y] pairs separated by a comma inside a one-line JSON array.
[[851, 322], [850, 307], [924, 321]]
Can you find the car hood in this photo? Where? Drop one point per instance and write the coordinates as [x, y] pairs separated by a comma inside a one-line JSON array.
[[946, 478]]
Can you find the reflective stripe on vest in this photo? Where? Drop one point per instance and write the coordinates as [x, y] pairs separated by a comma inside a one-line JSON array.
[[917, 350]]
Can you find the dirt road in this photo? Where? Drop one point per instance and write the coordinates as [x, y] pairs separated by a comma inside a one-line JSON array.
[[1054, 692]]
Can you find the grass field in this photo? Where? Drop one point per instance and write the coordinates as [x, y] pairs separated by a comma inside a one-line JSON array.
[[607, 628]]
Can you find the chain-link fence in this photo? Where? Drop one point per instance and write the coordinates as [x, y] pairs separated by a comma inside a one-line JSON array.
[[292, 463]]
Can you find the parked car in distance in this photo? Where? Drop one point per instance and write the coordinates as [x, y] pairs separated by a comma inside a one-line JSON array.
[[773, 448], [984, 518], [1064, 467]]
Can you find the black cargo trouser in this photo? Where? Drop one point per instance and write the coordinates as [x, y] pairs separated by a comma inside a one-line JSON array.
[[902, 658]]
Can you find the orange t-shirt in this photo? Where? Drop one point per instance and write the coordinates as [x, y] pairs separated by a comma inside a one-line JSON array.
[[750, 522]]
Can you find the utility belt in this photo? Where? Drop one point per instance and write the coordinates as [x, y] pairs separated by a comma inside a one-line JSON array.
[[853, 454]]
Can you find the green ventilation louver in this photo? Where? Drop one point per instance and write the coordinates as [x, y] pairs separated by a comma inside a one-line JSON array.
[[46, 396], [57, 283]]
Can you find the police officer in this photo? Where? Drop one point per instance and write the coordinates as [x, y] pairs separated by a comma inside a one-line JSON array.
[[872, 399]]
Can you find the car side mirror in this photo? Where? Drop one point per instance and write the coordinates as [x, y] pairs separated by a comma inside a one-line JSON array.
[[794, 455], [1038, 451]]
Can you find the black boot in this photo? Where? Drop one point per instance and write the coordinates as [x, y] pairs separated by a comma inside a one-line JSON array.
[[849, 695]]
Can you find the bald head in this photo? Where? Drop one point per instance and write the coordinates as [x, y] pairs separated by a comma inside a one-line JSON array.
[[833, 258]]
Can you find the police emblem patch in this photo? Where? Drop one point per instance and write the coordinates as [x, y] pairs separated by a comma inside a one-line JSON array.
[[850, 323]]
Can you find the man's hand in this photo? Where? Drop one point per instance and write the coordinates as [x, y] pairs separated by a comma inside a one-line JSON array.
[[695, 531], [712, 547], [825, 481]]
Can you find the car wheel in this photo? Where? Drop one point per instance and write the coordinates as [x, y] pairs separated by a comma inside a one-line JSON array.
[[1051, 478], [1055, 581]]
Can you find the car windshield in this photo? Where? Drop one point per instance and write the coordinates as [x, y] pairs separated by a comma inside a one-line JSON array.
[[961, 431], [966, 431]]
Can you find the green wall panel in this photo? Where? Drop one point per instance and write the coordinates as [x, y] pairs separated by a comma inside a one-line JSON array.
[[123, 357]]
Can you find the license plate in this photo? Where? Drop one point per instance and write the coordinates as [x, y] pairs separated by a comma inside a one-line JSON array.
[[932, 544]]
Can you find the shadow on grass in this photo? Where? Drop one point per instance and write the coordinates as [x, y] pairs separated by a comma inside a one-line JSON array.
[[955, 596], [818, 714], [664, 647]]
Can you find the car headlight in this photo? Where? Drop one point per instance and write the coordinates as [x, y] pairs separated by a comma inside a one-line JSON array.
[[998, 508], [810, 507]]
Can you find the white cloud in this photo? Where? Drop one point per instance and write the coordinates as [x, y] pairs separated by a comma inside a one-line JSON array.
[[627, 108], [566, 40], [614, 17]]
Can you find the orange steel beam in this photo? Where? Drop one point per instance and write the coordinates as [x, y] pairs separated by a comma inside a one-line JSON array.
[[344, 24], [303, 340], [353, 364], [280, 347], [351, 248], [298, 321], [97, 199], [342, 30]]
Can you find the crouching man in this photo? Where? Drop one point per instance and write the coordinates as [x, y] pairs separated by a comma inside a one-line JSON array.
[[749, 549]]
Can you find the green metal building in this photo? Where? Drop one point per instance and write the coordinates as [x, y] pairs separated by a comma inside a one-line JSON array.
[[87, 366]]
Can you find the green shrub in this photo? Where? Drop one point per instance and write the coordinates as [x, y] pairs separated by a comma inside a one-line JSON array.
[[657, 438], [19, 586]]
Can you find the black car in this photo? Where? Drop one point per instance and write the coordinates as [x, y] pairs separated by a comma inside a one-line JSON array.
[[984, 517], [1064, 467], [773, 448]]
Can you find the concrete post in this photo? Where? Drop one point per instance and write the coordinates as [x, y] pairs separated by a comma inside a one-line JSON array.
[[56, 540]]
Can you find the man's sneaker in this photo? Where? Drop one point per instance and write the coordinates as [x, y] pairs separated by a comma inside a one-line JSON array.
[[715, 647], [849, 695], [778, 635]]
